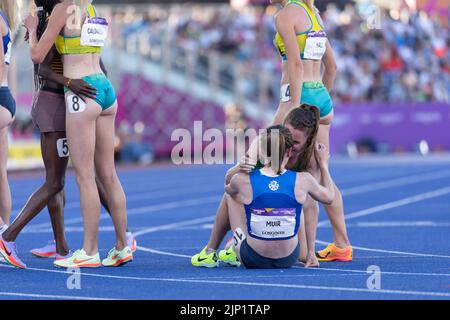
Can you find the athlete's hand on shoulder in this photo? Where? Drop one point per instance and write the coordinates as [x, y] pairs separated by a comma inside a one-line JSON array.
[[82, 89], [322, 155], [31, 23], [246, 165]]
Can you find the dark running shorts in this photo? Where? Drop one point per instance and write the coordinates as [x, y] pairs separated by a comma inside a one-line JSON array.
[[253, 260], [49, 112], [7, 101]]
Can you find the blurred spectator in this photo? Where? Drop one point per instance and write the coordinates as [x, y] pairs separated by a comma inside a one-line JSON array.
[[130, 145], [406, 59]]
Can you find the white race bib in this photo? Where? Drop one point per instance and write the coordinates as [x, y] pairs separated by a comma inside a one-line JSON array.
[[94, 32], [273, 223], [285, 93], [315, 46], [75, 104], [62, 147]]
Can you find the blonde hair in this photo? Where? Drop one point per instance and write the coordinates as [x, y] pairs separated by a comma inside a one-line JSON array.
[[82, 3], [11, 10], [310, 4]]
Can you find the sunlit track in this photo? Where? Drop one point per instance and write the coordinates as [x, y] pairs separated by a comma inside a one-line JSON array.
[[403, 247]]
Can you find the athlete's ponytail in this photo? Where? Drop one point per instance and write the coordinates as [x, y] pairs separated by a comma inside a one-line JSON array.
[[275, 143], [306, 119]]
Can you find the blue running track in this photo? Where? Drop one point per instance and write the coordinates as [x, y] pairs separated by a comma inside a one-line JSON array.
[[398, 218]]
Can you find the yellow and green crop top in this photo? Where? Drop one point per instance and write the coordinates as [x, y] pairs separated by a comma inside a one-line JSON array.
[[72, 45], [316, 30]]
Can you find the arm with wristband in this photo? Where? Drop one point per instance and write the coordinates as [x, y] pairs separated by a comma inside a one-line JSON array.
[[77, 86]]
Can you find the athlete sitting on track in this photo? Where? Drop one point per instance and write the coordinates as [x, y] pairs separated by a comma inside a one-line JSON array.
[[303, 123], [266, 234]]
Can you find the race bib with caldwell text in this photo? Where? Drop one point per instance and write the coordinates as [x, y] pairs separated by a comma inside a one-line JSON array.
[[94, 32]]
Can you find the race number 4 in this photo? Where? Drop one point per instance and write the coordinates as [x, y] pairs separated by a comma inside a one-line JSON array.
[[285, 92], [75, 104], [63, 148]]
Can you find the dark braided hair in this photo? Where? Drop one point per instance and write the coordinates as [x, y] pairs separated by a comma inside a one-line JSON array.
[[306, 119], [43, 14]]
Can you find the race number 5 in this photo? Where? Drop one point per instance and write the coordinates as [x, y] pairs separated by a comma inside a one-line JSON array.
[[63, 148], [75, 104]]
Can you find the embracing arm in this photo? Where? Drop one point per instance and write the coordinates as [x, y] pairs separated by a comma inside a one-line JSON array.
[[46, 72], [232, 188], [78, 86], [40, 49], [230, 173], [323, 192], [330, 67], [247, 164], [286, 28], [239, 188]]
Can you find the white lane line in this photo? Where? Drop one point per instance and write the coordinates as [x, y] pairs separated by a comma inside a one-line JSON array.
[[201, 220], [150, 250], [394, 204], [345, 192], [146, 209], [372, 210], [173, 225], [212, 199], [209, 226], [153, 195], [391, 251], [256, 284], [163, 253], [268, 276], [382, 160], [67, 230], [375, 224], [211, 218], [47, 296], [395, 182], [390, 224], [382, 272]]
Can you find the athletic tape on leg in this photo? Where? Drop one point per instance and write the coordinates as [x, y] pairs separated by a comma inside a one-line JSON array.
[[238, 236]]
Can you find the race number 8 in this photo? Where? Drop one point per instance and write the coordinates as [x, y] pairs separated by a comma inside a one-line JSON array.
[[75, 104], [63, 148]]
